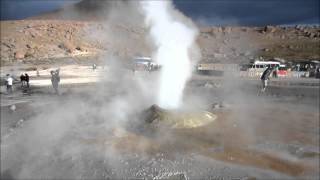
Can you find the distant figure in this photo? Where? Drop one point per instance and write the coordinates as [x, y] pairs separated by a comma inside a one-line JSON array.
[[265, 77], [275, 72], [318, 72], [94, 67], [150, 67], [38, 73], [27, 79], [9, 83], [55, 79], [22, 80]]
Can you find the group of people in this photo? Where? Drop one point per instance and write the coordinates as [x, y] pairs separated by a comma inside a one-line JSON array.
[[25, 79], [55, 80]]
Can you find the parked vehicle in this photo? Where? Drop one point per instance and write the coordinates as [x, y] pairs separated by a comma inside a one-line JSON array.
[[306, 68], [282, 71], [216, 69], [144, 64], [264, 64], [256, 68]]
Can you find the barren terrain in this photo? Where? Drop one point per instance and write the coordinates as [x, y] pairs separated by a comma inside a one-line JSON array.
[[275, 135], [37, 41]]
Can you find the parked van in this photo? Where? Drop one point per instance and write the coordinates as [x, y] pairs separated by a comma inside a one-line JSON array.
[[264, 64], [256, 69]]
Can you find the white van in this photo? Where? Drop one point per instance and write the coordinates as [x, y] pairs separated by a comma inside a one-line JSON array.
[[257, 68], [264, 64]]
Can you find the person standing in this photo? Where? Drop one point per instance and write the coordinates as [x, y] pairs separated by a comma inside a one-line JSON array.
[[55, 79], [265, 77], [22, 79], [27, 79], [9, 82], [275, 72]]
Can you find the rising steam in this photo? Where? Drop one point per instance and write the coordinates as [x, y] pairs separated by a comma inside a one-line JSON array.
[[173, 39]]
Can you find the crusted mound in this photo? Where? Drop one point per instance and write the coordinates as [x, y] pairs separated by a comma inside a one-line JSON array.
[[177, 118]]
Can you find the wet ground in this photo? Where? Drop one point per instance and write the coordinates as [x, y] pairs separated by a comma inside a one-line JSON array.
[[274, 135]]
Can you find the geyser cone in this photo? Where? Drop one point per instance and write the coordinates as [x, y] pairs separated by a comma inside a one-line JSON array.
[[177, 118]]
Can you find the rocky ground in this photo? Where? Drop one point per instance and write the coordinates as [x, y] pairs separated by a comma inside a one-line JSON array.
[[274, 135], [36, 41]]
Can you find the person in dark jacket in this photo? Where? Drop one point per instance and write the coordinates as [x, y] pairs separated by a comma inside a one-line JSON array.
[[27, 79], [22, 80], [265, 77]]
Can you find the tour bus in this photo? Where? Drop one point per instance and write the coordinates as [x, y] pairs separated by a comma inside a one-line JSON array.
[[257, 68]]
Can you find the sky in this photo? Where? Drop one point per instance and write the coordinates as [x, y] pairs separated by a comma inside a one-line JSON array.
[[205, 12]]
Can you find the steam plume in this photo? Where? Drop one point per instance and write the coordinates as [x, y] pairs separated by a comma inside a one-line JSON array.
[[173, 39]]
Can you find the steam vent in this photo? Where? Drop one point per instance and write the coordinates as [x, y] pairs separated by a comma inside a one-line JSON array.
[[177, 118]]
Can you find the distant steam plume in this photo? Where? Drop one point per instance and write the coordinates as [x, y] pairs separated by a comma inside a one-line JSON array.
[[173, 39]]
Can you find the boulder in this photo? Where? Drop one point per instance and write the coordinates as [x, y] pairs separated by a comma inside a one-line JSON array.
[[19, 54], [79, 48]]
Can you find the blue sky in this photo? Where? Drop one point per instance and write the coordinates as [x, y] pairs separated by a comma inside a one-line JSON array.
[[252, 12], [209, 12], [20, 9]]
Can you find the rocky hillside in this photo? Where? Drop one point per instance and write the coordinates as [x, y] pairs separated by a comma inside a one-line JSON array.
[[30, 41], [240, 43]]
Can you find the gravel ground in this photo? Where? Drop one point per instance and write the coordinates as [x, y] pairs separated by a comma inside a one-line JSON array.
[[271, 136]]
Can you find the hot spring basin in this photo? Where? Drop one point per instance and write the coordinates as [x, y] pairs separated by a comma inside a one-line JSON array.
[[177, 118]]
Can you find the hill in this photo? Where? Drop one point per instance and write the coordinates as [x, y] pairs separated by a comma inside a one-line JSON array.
[[94, 28]]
